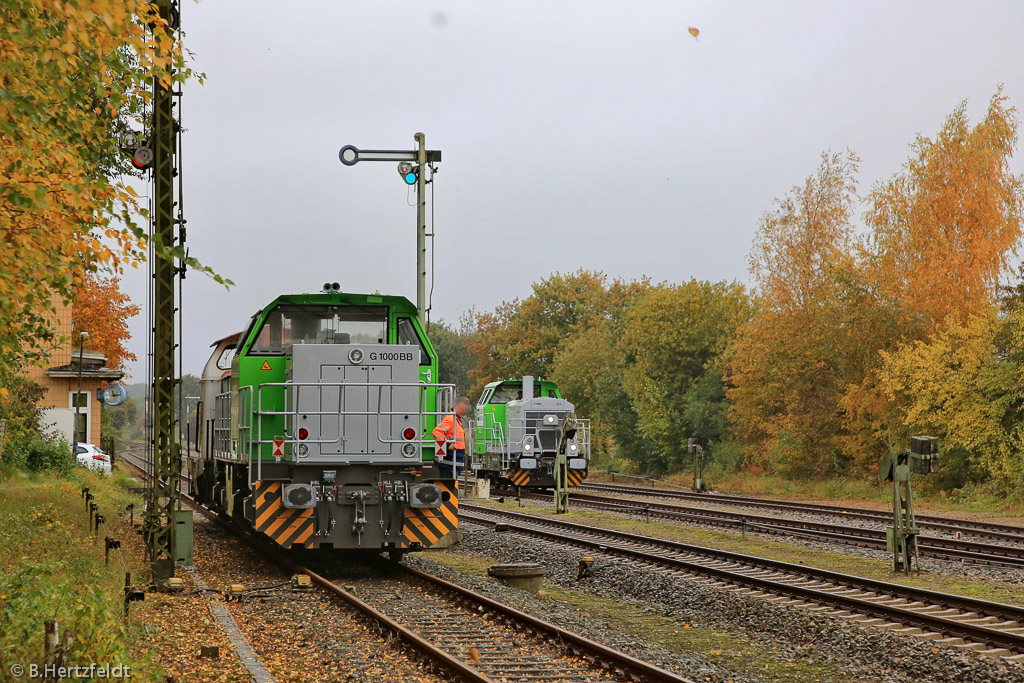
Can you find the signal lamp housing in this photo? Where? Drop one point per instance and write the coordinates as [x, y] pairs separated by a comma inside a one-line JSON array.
[[408, 171]]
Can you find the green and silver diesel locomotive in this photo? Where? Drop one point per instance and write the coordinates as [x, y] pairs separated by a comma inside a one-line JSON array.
[[315, 426], [520, 427]]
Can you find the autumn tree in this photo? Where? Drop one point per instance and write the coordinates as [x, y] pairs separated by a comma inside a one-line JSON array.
[[944, 229], [787, 370], [74, 76], [942, 233], [102, 309], [810, 390], [671, 340], [455, 362], [965, 383], [523, 337]]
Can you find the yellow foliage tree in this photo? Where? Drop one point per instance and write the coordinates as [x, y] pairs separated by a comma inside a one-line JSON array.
[[73, 79], [966, 383], [942, 231]]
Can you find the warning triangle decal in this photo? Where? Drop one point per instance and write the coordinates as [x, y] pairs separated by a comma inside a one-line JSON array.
[[266, 365]]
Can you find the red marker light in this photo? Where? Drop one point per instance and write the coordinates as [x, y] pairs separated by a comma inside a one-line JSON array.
[[303, 433], [409, 434]]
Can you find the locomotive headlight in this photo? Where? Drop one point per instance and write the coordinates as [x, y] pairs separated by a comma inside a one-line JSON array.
[[408, 450], [303, 450], [573, 447], [527, 446], [550, 419], [355, 356]]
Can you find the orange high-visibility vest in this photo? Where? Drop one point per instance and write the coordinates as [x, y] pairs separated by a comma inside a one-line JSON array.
[[449, 428]]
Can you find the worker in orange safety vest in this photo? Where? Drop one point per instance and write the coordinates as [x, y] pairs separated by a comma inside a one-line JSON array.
[[451, 441]]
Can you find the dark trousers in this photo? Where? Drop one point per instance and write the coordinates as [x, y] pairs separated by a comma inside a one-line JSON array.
[[460, 463]]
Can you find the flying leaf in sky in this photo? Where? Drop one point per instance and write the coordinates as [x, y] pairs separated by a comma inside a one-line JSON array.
[[694, 32]]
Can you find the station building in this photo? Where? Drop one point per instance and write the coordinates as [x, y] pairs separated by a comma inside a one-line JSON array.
[[59, 376]]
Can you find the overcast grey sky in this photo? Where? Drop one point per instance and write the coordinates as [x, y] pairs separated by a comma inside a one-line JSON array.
[[575, 134]]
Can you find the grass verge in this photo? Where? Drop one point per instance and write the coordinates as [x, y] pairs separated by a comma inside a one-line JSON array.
[[52, 567]]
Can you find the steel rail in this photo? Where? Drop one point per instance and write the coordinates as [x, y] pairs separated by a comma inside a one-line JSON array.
[[569, 533], [435, 655], [625, 665], [993, 530], [933, 546]]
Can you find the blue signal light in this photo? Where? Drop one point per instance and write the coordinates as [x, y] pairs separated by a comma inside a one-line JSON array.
[[410, 178]]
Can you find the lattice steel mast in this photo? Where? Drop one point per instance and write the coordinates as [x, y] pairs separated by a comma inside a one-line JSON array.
[[163, 504]]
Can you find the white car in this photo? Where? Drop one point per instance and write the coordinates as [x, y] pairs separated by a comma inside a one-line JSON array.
[[92, 457]]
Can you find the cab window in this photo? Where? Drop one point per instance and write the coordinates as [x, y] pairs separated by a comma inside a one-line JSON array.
[[506, 393], [407, 335], [224, 360], [291, 324]]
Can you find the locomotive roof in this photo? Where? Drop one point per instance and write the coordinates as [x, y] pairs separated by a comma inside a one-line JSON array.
[[399, 303], [517, 382], [231, 337]]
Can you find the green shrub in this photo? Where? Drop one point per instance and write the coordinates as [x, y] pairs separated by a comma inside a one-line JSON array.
[[20, 412], [48, 455], [724, 458]]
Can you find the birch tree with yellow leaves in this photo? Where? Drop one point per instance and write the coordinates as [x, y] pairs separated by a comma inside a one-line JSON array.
[[74, 78]]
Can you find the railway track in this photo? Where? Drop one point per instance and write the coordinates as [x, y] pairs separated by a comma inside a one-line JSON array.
[[958, 550], [991, 628], [470, 636], [1004, 533]]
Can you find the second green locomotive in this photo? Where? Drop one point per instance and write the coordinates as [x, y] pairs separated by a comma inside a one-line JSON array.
[[521, 427]]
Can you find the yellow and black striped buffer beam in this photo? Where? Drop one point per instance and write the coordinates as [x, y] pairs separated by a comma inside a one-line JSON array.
[[576, 477], [519, 477], [427, 526], [287, 527]]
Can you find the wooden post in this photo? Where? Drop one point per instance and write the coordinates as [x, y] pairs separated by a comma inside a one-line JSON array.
[[65, 650], [51, 643]]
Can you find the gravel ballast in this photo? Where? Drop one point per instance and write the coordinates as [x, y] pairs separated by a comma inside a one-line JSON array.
[[864, 652], [932, 565]]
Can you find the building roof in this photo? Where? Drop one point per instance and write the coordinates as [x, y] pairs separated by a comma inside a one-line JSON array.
[[94, 366]]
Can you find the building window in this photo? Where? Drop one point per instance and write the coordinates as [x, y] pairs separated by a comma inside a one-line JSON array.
[[81, 402], [81, 425]]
